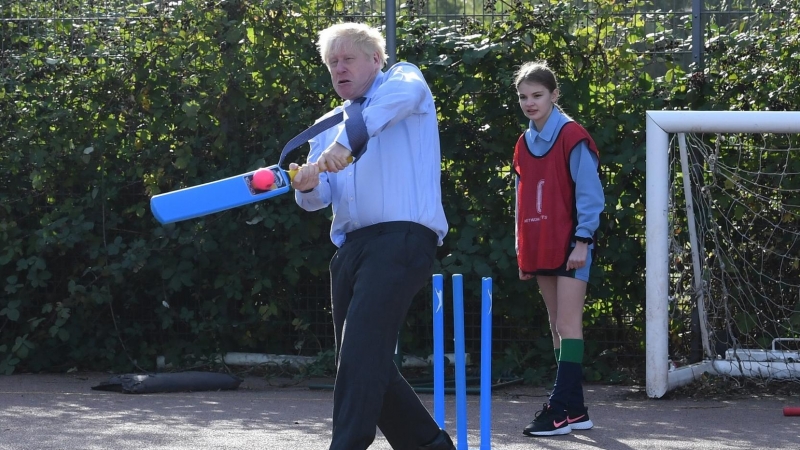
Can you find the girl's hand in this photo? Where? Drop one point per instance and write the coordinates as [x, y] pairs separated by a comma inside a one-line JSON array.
[[577, 258]]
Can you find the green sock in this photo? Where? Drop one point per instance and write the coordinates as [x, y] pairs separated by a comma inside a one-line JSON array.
[[571, 350]]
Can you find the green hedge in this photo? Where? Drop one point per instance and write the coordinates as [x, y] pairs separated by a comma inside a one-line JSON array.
[[136, 107]]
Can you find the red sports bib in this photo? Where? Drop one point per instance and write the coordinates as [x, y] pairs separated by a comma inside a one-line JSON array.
[[546, 210]]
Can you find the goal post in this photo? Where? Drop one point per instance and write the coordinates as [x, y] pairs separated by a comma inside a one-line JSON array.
[[660, 125]]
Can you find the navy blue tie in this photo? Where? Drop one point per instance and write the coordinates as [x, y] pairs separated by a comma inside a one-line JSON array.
[[354, 125]]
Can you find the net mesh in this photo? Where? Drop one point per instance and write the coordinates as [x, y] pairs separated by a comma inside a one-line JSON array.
[[744, 296]]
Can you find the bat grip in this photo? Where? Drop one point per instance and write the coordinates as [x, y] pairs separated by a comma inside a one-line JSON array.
[[293, 172]]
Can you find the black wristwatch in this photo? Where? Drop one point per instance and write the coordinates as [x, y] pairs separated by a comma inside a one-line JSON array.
[[583, 239]]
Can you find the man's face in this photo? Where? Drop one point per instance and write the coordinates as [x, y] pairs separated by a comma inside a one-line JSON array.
[[352, 70]]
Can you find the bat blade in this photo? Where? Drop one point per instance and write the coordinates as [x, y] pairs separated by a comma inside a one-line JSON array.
[[215, 196]]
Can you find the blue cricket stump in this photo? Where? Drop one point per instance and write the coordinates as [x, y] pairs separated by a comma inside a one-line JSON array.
[[460, 360]]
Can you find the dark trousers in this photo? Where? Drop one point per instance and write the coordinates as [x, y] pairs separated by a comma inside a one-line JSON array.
[[374, 277]]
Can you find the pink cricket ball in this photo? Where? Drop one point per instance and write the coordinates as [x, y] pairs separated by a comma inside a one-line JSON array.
[[263, 179]]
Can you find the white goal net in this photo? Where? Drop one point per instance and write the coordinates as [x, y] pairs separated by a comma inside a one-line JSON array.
[[723, 246]]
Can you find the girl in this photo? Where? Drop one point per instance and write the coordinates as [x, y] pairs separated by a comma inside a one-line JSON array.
[[559, 201]]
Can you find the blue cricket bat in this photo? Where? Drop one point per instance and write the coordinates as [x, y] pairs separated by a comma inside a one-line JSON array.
[[232, 192], [215, 196]]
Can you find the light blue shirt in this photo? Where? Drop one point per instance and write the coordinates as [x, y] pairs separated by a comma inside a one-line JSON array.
[[589, 198], [398, 178]]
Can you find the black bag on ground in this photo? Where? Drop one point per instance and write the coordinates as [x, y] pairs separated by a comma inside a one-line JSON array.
[[169, 382]]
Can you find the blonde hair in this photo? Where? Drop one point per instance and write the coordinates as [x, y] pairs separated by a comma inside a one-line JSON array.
[[360, 36]]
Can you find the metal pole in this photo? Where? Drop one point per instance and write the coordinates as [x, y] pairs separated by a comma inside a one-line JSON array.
[[697, 34], [699, 285], [391, 32], [657, 259]]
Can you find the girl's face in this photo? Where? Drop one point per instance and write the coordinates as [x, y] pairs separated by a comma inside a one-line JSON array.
[[536, 102]]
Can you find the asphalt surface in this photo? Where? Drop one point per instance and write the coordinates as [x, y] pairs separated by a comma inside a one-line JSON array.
[[63, 412]]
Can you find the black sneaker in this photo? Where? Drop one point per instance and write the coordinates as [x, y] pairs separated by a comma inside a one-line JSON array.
[[548, 422], [578, 419]]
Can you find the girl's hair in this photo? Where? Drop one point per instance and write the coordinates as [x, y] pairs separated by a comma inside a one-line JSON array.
[[359, 35], [536, 72]]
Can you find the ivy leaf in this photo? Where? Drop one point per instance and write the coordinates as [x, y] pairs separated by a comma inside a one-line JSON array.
[[190, 108]]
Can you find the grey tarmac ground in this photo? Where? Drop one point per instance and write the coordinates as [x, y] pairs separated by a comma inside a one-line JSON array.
[[63, 412]]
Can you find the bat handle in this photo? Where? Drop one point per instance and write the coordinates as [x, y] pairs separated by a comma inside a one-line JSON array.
[[293, 172]]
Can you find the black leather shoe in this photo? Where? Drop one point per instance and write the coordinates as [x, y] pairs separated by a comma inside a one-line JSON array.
[[442, 442]]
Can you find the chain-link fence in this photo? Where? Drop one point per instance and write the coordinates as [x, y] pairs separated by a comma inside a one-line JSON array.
[[708, 18]]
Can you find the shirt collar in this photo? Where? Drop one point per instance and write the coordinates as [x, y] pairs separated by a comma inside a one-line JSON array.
[[550, 127], [371, 91]]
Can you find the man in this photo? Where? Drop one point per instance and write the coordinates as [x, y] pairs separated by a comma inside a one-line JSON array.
[[387, 222]]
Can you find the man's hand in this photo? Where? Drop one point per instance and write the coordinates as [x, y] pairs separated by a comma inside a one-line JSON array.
[[306, 178], [334, 158]]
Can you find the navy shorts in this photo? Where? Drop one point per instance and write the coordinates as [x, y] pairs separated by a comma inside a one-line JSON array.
[[580, 274]]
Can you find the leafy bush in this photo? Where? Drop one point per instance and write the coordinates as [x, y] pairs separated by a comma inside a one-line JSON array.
[[138, 106]]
